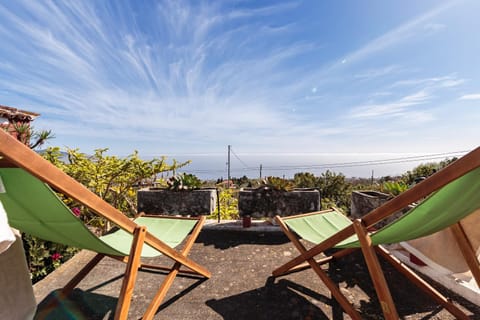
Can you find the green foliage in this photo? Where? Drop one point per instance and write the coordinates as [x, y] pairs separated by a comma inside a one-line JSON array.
[[305, 180], [425, 170], [228, 206], [43, 256], [279, 184], [32, 138], [183, 182], [242, 182], [394, 187], [335, 190], [111, 178]]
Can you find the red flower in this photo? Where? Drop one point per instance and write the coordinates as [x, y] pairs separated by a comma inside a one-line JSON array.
[[76, 211], [56, 256]]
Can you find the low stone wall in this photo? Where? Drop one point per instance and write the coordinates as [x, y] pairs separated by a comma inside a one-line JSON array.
[[266, 202], [362, 202], [161, 201]]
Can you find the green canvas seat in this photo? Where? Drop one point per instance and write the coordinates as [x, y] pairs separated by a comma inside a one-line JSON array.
[[440, 210], [451, 195], [27, 184], [45, 216]]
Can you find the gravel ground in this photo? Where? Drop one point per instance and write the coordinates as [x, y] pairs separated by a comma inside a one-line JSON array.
[[241, 286]]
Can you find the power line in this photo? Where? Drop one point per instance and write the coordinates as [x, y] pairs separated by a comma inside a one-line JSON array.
[[344, 164], [238, 158]]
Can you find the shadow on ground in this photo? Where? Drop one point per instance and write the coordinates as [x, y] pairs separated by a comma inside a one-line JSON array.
[[241, 286], [281, 300], [81, 305], [217, 238]]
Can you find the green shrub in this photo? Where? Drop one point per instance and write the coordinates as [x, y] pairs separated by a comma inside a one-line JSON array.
[[228, 206], [184, 182], [394, 187]]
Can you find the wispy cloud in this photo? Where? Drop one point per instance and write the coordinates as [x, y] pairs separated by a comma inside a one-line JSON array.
[[472, 96], [398, 35], [378, 72], [433, 82], [106, 72], [195, 74], [397, 108]]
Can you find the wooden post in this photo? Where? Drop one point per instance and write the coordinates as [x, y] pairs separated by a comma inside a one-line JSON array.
[[131, 271], [376, 273], [467, 250]]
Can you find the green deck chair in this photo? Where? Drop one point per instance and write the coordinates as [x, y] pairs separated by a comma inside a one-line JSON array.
[[453, 194], [26, 182]]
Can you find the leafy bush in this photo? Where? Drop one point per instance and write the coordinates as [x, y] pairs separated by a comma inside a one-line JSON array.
[[394, 187], [228, 206], [43, 256], [279, 184], [184, 182]]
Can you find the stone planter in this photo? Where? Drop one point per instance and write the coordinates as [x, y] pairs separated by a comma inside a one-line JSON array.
[[162, 201], [362, 202], [266, 202]]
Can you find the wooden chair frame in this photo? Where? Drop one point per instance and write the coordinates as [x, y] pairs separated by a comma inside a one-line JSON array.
[[359, 227], [18, 155]]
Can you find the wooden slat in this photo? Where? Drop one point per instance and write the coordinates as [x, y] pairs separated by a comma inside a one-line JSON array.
[[162, 291], [131, 271], [67, 289], [307, 214], [467, 250], [376, 273], [20, 155], [336, 293], [422, 284], [455, 170]]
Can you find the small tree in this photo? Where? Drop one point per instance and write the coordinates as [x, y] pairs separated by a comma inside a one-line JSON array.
[[334, 190], [30, 137], [305, 180]]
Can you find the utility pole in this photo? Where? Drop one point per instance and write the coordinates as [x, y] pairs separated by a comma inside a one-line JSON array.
[[228, 168], [260, 171]]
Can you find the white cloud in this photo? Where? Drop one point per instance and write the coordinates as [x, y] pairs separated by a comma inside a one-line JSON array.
[[396, 108], [434, 27], [396, 36], [472, 96], [378, 72]]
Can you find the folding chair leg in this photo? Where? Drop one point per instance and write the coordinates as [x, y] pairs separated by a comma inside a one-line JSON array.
[[420, 283], [336, 293], [131, 271], [81, 274], [376, 273], [168, 281], [467, 250]]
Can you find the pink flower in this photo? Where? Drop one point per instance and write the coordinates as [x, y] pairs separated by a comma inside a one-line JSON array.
[[76, 211], [56, 256]]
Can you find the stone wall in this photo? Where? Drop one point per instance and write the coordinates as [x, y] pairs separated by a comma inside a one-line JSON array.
[[161, 201], [266, 202], [362, 202]]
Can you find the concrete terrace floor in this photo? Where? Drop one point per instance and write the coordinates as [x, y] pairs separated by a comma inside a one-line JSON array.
[[241, 263]]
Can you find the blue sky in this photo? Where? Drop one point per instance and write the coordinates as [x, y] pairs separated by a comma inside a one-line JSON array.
[[283, 82]]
